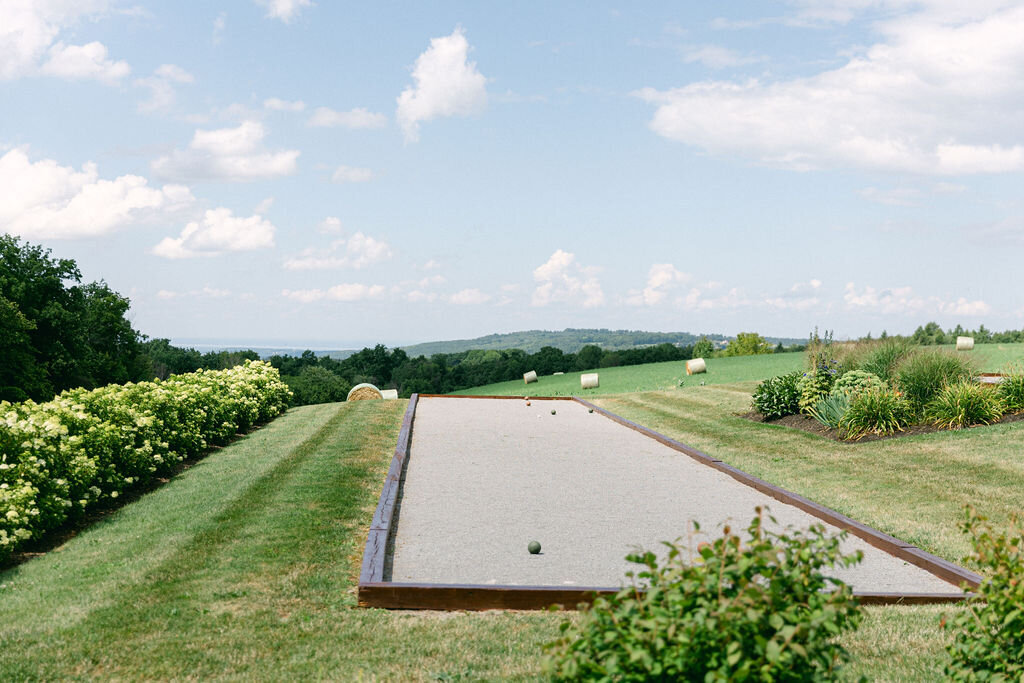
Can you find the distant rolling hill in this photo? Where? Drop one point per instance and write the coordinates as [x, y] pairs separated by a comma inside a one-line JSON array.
[[572, 340]]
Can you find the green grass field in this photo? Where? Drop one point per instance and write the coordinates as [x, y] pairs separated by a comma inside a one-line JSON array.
[[245, 565], [672, 375]]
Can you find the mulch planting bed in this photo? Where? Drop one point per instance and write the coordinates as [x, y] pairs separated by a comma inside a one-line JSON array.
[[809, 424]]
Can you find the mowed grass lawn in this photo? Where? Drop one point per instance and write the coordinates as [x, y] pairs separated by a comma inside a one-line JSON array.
[[245, 565]]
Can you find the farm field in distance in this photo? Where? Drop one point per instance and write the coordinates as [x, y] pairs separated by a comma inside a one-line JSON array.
[[667, 376], [245, 565]]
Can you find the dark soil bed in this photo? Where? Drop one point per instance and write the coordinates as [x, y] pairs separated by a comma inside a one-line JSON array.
[[809, 424]]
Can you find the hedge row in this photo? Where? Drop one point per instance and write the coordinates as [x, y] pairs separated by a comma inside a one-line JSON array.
[[61, 457]]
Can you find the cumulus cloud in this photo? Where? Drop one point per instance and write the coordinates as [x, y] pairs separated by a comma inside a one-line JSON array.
[[562, 279], [44, 200], [161, 86], [277, 104], [422, 291], [220, 231], [800, 297], [347, 292], [325, 117], [446, 85], [712, 296], [904, 301], [329, 225], [469, 297], [351, 174], [204, 293], [661, 279], [358, 251], [29, 45], [934, 96], [231, 154], [284, 10]]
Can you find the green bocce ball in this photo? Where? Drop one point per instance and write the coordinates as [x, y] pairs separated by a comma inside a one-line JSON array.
[[534, 547]]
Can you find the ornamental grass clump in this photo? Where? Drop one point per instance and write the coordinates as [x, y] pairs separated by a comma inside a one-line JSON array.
[[964, 404], [882, 357], [988, 642], [777, 396], [922, 374], [830, 410], [762, 609], [880, 411], [1011, 391]]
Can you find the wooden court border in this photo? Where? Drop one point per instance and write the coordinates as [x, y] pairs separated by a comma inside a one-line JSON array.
[[375, 591]]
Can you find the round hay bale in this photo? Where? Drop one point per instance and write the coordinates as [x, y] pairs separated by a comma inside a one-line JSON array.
[[530, 377], [696, 366], [389, 394], [589, 381], [364, 392], [556, 374], [964, 343]]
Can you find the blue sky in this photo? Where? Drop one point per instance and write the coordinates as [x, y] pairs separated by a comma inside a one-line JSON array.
[[326, 174]]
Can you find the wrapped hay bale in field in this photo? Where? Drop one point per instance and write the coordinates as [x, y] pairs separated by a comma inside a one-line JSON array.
[[964, 343], [389, 394], [589, 381], [364, 392], [530, 377], [696, 366]]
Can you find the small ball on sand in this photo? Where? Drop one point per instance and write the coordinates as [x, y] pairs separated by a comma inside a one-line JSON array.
[[552, 412], [527, 403], [534, 547], [591, 410]]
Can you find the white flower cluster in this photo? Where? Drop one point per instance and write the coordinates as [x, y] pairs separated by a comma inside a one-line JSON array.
[[59, 457]]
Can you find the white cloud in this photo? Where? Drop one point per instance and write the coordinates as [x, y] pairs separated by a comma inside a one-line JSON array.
[[469, 297], [325, 117], [220, 231], [277, 104], [561, 279], [329, 225], [285, 10], [351, 174], [717, 57], [29, 31], [204, 293], [230, 154], [661, 279], [423, 289], [264, 206], [710, 297], [904, 301], [935, 96], [161, 86], [44, 200], [357, 252], [446, 85], [801, 296], [347, 292], [218, 28], [84, 61]]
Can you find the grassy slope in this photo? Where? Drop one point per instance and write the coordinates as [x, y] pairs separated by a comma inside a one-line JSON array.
[[663, 376], [245, 565]]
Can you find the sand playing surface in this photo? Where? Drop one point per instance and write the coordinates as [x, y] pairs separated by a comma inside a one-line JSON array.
[[487, 476]]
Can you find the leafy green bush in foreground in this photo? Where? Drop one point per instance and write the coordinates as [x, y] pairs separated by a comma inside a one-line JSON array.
[[760, 610], [989, 634], [61, 457], [1011, 391], [777, 396]]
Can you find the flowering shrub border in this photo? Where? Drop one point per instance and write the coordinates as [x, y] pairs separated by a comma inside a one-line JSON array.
[[59, 458]]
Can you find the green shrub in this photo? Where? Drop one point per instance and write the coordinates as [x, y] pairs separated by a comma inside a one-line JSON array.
[[882, 357], [856, 381], [814, 386], [757, 610], [988, 644], [1011, 391], [881, 412], [830, 410], [777, 396], [964, 404], [925, 372]]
